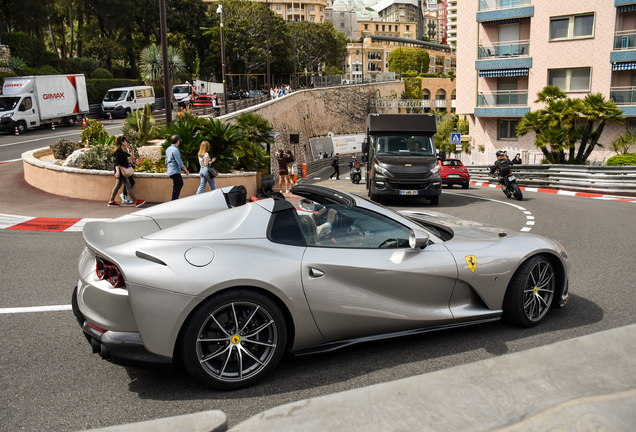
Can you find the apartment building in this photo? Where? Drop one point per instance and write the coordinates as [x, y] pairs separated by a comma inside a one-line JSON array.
[[310, 10], [509, 50], [451, 23]]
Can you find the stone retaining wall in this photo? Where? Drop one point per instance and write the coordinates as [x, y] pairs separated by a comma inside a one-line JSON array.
[[97, 185]]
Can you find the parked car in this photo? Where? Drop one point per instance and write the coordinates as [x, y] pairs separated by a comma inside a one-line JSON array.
[[202, 101], [193, 279], [454, 172]]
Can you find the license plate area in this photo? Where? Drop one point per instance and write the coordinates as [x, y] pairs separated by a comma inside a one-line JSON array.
[[511, 178], [453, 176], [408, 192]]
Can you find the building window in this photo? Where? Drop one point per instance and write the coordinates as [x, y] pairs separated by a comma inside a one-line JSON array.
[[311, 8], [320, 8], [570, 80], [506, 129], [631, 125], [278, 7], [407, 28], [383, 26], [376, 27], [312, 19], [366, 26], [572, 27]]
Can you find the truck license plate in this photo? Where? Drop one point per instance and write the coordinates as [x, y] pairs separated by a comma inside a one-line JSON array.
[[409, 192]]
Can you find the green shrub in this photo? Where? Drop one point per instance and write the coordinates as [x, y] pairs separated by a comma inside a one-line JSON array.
[[93, 131], [52, 59], [97, 88], [63, 148], [147, 165], [48, 70], [28, 48], [624, 159], [101, 73], [98, 158], [17, 64], [104, 141], [81, 65]]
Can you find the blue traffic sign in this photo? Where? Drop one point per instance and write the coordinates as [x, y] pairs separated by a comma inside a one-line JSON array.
[[456, 138]]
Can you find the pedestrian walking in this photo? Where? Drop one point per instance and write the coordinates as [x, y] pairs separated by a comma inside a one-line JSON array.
[[123, 170], [336, 167], [291, 167], [175, 165], [215, 105], [207, 173]]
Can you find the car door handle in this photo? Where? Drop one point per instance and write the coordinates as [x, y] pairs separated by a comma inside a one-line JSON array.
[[315, 273]]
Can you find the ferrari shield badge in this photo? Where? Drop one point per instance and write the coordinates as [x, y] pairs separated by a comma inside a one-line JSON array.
[[471, 260]]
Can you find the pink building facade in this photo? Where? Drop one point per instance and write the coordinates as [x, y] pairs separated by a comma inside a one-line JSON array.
[[508, 50]]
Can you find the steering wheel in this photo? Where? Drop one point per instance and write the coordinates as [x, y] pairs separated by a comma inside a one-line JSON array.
[[388, 243]]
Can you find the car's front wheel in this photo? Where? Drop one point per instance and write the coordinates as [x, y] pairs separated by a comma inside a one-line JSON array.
[[234, 339], [530, 292]]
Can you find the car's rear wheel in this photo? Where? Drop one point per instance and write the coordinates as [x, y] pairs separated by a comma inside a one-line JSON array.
[[530, 292], [234, 339], [465, 186], [434, 200]]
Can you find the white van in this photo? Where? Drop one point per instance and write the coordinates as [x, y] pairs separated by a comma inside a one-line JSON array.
[[119, 102]]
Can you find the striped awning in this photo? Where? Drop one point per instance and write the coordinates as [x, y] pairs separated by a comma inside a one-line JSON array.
[[628, 8], [624, 66], [503, 73], [505, 20]]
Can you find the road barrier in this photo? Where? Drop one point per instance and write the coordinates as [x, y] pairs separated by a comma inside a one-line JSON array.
[[605, 179]]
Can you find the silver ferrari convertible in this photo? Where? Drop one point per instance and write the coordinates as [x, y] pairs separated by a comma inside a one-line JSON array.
[[227, 286]]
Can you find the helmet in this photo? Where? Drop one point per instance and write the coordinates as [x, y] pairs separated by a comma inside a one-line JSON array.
[[500, 153]]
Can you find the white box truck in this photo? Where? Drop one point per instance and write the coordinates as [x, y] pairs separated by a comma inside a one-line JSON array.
[[32, 101]]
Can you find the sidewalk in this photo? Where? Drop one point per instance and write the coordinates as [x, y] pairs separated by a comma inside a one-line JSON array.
[[582, 384]]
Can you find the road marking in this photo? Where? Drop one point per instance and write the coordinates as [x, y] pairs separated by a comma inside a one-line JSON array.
[[50, 137], [36, 309], [530, 219]]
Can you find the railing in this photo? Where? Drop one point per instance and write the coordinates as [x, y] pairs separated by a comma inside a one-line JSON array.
[[409, 103], [625, 39], [617, 180], [503, 98], [623, 95], [505, 49], [501, 4]]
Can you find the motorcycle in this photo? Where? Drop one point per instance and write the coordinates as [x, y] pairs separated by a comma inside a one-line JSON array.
[[355, 173], [510, 187]]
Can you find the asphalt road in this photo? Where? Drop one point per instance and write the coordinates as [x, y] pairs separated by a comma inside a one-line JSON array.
[[49, 380]]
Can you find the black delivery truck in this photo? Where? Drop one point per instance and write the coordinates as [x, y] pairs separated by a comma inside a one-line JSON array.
[[401, 156]]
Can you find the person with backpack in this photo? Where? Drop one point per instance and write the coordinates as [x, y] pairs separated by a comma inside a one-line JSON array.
[[291, 167], [336, 167], [502, 165]]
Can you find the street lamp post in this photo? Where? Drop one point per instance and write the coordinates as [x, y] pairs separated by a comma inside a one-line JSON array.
[[269, 77], [219, 10], [164, 55]]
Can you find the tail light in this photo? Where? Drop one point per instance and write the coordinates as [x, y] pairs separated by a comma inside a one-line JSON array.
[[108, 271]]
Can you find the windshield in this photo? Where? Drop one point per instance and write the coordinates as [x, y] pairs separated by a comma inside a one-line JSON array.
[[115, 95], [181, 89], [8, 103], [403, 145]]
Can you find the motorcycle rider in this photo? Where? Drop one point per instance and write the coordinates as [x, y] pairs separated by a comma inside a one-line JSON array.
[[502, 165]]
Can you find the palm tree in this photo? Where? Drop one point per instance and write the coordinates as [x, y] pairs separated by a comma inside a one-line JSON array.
[[188, 128], [151, 65], [549, 93], [595, 107], [257, 130]]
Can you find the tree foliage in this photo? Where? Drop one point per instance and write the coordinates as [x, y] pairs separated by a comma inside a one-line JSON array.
[[317, 43], [409, 59], [560, 134]]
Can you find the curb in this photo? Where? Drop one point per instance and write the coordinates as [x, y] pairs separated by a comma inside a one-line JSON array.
[[560, 192]]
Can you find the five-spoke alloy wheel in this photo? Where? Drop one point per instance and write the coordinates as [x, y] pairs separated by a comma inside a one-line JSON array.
[[234, 339]]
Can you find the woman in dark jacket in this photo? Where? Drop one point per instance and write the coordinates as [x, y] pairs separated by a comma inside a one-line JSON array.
[[122, 159]]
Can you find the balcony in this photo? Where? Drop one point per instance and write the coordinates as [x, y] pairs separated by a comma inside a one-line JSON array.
[[503, 98], [511, 103], [505, 49], [625, 98], [502, 4]]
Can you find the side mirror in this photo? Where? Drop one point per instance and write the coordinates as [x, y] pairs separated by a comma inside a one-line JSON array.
[[418, 239], [441, 155]]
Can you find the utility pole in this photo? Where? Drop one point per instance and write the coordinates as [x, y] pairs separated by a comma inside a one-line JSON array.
[[167, 90], [269, 77]]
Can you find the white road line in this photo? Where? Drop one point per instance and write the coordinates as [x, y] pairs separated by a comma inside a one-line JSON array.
[[526, 212], [51, 137], [36, 309], [80, 224], [7, 221]]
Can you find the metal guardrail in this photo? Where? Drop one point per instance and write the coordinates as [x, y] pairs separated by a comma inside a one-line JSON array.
[[617, 180]]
